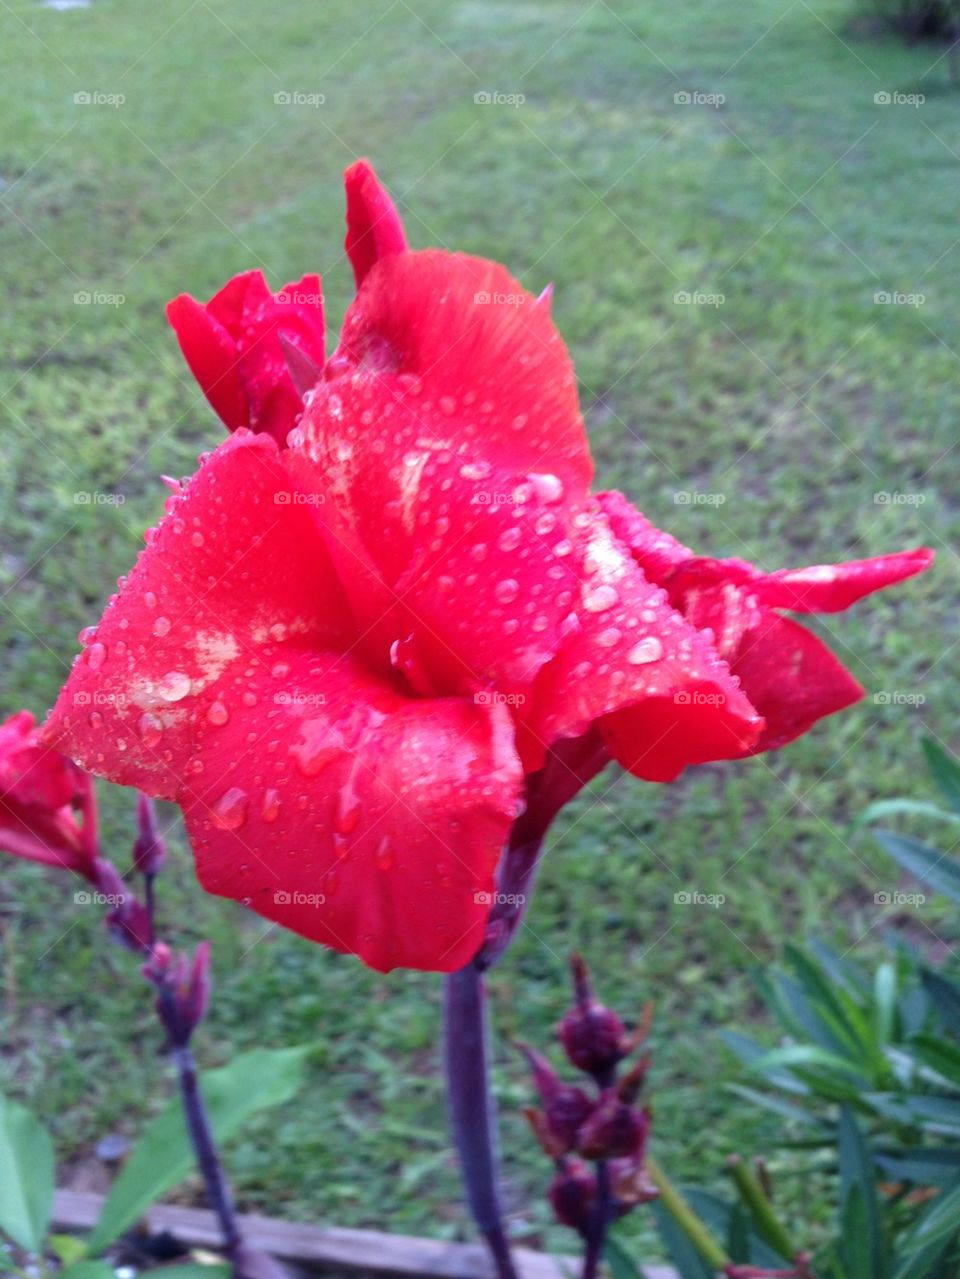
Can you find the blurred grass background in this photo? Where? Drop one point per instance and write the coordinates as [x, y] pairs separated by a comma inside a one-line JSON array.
[[797, 401]]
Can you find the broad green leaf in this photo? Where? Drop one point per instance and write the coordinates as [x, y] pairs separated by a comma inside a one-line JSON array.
[[26, 1175], [945, 771], [932, 868], [164, 1156]]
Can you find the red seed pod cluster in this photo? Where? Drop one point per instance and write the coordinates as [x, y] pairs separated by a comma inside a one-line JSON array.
[[604, 1123]]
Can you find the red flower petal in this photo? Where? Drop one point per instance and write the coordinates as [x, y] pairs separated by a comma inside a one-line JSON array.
[[830, 588], [232, 345], [789, 674], [236, 564], [662, 696], [374, 229], [359, 818], [462, 336]]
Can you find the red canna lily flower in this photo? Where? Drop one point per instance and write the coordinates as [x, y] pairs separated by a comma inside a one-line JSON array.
[[42, 796], [354, 660]]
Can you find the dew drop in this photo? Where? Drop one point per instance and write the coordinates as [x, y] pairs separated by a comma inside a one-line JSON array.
[[150, 728], [280, 670], [96, 719], [217, 713], [507, 590], [549, 488], [600, 598], [509, 539], [648, 650], [271, 805], [161, 627], [96, 656], [150, 599], [230, 810], [475, 470], [607, 638], [86, 636], [174, 686]]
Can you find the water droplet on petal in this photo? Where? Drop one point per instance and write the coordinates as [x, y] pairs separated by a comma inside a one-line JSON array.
[[150, 728], [174, 686], [509, 539], [599, 598], [86, 636], [96, 656], [607, 638], [161, 627], [507, 590], [475, 470], [271, 805], [230, 810], [549, 487], [647, 650], [217, 713]]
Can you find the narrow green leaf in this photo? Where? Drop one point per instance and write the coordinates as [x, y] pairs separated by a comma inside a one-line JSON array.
[[88, 1270], [860, 1214], [619, 1261], [939, 1054], [938, 1225], [945, 997], [163, 1156], [885, 808], [688, 1261], [26, 1175], [921, 1165], [945, 771], [932, 868], [785, 1109], [885, 1003]]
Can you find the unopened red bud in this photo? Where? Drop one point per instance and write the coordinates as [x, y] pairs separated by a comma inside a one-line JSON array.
[[573, 1193], [593, 1036], [565, 1107], [127, 920], [183, 989], [149, 849], [614, 1130]]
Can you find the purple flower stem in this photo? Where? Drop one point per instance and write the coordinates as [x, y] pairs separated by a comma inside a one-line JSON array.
[[597, 1233], [472, 1111]]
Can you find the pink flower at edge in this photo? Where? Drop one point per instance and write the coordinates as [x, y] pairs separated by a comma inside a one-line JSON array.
[[47, 803]]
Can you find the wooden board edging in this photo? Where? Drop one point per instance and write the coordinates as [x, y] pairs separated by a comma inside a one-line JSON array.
[[325, 1248]]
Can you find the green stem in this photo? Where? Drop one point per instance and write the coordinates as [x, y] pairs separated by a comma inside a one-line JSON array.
[[683, 1215], [768, 1226]]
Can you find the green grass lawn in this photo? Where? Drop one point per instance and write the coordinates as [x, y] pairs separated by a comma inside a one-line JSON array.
[[797, 401]]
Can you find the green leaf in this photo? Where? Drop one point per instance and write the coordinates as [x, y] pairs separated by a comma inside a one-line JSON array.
[[26, 1175], [884, 808], [688, 1261], [785, 1109], [192, 1270], [885, 1003], [921, 1165], [938, 1225], [945, 771], [68, 1248], [945, 997], [860, 1213], [88, 1270], [164, 1156], [939, 1054], [619, 1261], [931, 867]]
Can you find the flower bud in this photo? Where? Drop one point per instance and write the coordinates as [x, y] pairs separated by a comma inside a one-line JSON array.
[[149, 849], [565, 1107], [630, 1184], [573, 1193], [183, 989], [127, 920], [615, 1130], [594, 1038]]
